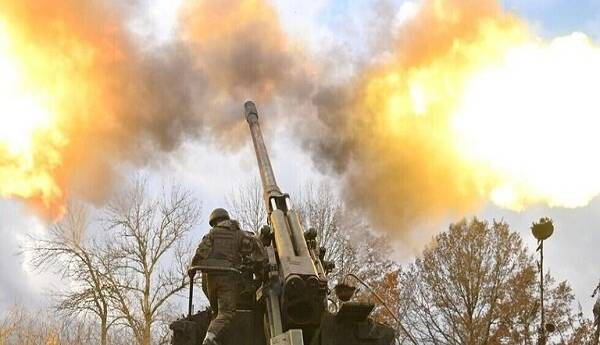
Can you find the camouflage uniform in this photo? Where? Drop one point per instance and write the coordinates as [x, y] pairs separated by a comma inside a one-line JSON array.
[[225, 244]]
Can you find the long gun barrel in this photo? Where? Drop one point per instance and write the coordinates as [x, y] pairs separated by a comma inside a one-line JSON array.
[[264, 163], [302, 298]]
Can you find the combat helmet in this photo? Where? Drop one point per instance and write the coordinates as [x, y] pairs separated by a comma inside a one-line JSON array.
[[217, 215]]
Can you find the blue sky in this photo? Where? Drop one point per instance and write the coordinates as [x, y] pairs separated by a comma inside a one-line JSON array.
[[549, 17], [559, 17]]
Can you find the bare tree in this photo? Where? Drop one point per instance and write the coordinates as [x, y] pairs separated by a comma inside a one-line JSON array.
[[147, 253], [7, 327], [320, 209], [24, 327], [247, 206], [68, 250]]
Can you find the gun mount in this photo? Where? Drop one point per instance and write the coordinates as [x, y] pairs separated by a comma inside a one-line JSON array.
[[289, 305]]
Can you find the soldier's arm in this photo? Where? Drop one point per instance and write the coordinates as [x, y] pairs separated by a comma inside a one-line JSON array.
[[203, 249], [259, 251], [259, 256]]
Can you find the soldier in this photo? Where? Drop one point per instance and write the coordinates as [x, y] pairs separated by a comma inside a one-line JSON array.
[[220, 253]]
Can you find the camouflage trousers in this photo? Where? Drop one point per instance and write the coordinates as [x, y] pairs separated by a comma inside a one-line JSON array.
[[222, 291]]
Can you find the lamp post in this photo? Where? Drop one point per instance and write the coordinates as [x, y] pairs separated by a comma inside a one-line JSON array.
[[542, 230]]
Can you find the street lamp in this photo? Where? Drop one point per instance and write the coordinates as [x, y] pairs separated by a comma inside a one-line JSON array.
[[542, 230]]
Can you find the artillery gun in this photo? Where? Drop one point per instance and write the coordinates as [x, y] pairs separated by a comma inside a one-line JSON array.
[[289, 304]]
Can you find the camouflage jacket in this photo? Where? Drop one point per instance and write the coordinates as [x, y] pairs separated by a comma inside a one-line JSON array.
[[226, 241]]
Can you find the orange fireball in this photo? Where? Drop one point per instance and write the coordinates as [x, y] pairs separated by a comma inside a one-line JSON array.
[[29, 138], [56, 91]]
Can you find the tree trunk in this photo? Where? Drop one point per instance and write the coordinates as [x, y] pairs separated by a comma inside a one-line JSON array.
[[146, 336], [104, 331], [146, 307]]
